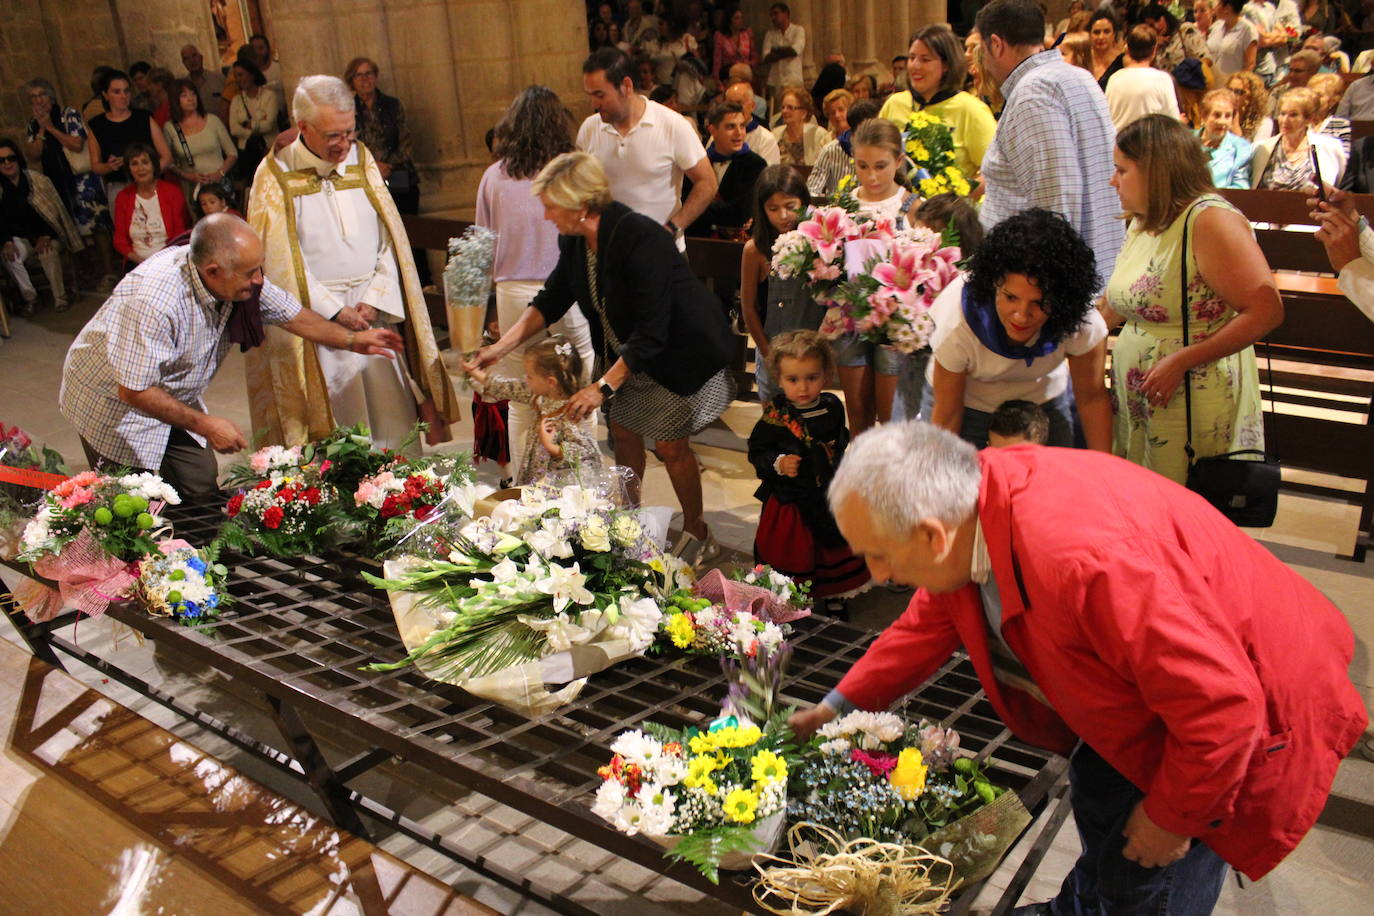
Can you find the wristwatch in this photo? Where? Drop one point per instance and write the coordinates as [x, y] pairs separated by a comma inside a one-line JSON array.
[[607, 392], [672, 227]]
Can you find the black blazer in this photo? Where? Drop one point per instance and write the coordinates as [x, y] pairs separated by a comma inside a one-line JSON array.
[[668, 324], [733, 204], [1358, 177]]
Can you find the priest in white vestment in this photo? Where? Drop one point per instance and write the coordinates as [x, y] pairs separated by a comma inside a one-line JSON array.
[[335, 239]]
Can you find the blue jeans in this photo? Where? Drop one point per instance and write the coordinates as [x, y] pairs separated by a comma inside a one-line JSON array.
[[1103, 881]]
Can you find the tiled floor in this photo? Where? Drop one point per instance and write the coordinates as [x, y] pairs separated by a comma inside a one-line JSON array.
[[1332, 872]]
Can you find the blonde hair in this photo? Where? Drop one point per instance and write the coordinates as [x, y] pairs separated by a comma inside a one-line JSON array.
[[556, 356], [574, 181], [1211, 96], [1081, 44], [1177, 171], [1255, 107], [799, 345], [834, 96], [1334, 88], [1303, 97]]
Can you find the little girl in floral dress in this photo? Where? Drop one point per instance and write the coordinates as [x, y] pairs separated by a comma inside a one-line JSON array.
[[553, 372]]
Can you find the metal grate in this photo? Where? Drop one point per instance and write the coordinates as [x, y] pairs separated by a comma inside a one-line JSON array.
[[302, 629]]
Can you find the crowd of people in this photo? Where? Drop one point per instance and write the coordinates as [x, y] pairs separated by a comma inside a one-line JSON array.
[[1094, 152]]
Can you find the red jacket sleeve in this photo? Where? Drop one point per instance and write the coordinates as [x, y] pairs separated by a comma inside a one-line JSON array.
[[1152, 617], [173, 205], [123, 218], [903, 655]]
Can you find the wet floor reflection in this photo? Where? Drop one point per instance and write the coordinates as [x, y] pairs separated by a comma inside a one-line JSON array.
[[101, 811]]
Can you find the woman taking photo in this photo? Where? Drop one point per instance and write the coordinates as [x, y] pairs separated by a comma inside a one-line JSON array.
[[662, 341], [1284, 163], [202, 151], [1164, 185], [1108, 56], [535, 128], [799, 137], [1229, 154], [1021, 326], [150, 212], [936, 66], [116, 130]]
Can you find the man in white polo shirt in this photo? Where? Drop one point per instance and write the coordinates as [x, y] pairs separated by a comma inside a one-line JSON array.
[[644, 147]]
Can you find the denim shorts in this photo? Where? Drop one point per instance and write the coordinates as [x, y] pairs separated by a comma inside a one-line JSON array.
[[852, 352]]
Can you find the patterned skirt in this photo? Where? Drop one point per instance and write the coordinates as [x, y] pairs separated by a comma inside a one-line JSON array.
[[645, 407]]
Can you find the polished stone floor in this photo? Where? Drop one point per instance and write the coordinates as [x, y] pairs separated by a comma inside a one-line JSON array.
[[1331, 872]]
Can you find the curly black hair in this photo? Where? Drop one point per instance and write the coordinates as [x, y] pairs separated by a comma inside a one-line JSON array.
[[1043, 246]]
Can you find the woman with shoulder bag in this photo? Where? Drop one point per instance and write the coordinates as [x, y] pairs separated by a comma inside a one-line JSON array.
[[202, 151], [1180, 227], [252, 118]]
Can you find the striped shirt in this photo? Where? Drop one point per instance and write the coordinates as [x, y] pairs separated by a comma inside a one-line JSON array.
[[160, 327], [1053, 149]]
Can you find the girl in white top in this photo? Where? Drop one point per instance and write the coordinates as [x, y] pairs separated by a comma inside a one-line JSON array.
[[868, 372], [1022, 326]]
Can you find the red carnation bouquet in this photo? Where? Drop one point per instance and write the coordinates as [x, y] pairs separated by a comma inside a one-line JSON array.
[[405, 492], [288, 514]]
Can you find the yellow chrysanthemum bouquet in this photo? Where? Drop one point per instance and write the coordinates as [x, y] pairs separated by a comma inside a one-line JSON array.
[[929, 144], [712, 798]]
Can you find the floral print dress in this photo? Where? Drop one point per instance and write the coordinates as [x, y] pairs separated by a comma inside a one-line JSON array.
[[1144, 289], [578, 439]]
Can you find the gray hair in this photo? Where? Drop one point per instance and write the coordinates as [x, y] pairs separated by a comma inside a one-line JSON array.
[[216, 240], [320, 91], [906, 472], [40, 84]]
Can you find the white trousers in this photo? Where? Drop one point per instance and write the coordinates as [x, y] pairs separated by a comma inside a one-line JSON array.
[[512, 298], [51, 262]]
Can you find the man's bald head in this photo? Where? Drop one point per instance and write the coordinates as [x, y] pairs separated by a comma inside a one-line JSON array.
[[741, 94], [228, 255]]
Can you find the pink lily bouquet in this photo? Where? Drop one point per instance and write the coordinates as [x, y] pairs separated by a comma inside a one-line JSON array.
[[893, 278], [815, 251], [88, 536]]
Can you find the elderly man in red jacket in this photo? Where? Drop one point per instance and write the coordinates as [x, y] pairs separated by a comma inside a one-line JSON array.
[[1099, 601]]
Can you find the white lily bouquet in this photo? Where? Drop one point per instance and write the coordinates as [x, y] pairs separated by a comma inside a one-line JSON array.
[[467, 285], [545, 589]]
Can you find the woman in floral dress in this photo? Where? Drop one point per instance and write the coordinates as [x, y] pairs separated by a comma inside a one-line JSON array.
[[1164, 183]]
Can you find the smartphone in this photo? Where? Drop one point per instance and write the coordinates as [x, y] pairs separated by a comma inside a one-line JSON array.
[[1317, 174]]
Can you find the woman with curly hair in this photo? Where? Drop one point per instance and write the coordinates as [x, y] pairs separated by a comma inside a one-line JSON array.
[[1252, 106], [535, 128], [1021, 326], [1180, 228]]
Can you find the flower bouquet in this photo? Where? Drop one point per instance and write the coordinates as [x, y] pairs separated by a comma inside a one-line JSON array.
[[294, 511], [406, 491], [179, 581], [888, 296], [784, 589], [815, 251], [712, 798], [467, 285], [87, 535], [24, 469], [546, 589], [873, 776], [929, 144], [732, 617]]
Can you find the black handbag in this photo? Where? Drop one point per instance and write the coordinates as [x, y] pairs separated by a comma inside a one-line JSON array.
[[1242, 485]]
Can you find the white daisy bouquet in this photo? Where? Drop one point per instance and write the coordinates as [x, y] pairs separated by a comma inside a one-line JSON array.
[[182, 582], [783, 587], [696, 625], [547, 573], [713, 798]]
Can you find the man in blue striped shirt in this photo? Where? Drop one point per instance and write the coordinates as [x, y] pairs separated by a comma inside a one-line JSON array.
[[1053, 146]]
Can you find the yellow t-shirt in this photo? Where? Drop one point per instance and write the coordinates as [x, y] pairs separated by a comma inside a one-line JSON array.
[[970, 119]]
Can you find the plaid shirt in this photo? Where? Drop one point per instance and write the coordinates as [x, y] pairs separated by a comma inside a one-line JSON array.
[[161, 327], [1053, 149]]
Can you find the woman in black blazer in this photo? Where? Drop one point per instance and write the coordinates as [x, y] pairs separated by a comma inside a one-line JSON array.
[[661, 339]]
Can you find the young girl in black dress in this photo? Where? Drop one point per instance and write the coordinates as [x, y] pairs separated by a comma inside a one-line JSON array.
[[795, 447]]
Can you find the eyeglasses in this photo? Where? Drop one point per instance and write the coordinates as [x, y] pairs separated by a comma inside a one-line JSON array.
[[335, 136], [362, 73], [4, 159]]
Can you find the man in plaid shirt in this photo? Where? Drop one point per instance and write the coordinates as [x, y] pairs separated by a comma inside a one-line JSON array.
[[1054, 141], [134, 377]]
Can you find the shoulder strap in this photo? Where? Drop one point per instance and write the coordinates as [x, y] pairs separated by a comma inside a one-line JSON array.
[[185, 147], [1187, 338]]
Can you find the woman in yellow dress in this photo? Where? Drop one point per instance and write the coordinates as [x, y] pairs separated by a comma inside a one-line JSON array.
[[1164, 184]]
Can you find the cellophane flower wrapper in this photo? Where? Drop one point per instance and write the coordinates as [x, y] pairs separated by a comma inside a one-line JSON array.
[[292, 512], [713, 797], [929, 143], [544, 589], [182, 582], [19, 502], [731, 618], [407, 491], [86, 535], [874, 775], [894, 278], [467, 286]]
